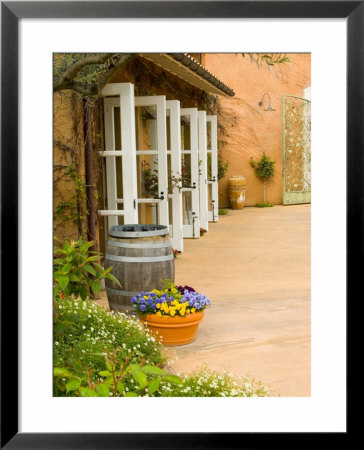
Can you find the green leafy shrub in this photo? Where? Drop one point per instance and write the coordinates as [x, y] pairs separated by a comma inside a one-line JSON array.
[[120, 379], [76, 272], [84, 332], [264, 169], [223, 212], [207, 383], [264, 205]]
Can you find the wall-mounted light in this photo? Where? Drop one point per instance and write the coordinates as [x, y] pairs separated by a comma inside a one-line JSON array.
[[269, 108]]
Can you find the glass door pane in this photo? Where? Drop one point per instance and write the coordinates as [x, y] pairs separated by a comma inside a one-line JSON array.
[[119, 153]]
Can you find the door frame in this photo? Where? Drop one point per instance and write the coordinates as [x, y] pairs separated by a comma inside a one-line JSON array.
[[120, 95], [192, 230], [159, 101], [176, 229], [213, 215], [202, 153]]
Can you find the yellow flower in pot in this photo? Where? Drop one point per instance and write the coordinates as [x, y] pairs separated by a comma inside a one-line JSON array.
[[175, 312]]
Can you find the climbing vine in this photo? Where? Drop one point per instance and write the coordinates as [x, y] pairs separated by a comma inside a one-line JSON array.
[[72, 210]]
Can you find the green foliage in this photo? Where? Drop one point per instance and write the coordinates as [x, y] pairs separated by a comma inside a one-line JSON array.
[[264, 168], [88, 75], [271, 59], [222, 167], [85, 337], [74, 210], [150, 180], [223, 212], [76, 272], [122, 378], [264, 205], [99, 353]]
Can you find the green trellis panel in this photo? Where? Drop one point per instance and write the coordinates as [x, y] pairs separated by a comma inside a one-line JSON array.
[[296, 150]]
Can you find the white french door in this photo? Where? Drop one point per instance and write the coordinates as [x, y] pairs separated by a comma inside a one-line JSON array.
[[189, 169], [202, 152], [212, 169], [151, 159], [121, 187], [174, 173], [147, 141]]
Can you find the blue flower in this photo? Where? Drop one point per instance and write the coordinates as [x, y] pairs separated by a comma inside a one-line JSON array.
[[142, 307]]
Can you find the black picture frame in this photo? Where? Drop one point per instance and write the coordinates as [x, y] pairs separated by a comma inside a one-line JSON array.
[[11, 12]]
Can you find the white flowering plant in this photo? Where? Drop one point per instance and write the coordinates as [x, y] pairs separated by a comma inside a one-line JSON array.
[[84, 332], [204, 382]]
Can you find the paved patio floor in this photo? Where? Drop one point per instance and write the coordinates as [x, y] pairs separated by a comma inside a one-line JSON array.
[[254, 265]]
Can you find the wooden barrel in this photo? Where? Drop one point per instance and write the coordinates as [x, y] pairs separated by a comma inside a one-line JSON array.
[[237, 185], [141, 257]]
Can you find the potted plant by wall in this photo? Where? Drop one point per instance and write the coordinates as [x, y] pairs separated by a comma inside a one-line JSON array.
[[173, 313], [264, 169]]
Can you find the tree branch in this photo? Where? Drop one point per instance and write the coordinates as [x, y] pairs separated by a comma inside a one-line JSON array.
[[67, 81], [72, 71]]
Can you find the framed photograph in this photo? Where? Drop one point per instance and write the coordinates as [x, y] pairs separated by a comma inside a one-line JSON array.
[[331, 33]]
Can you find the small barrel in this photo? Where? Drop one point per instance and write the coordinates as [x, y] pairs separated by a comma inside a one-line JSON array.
[[237, 185], [141, 257]]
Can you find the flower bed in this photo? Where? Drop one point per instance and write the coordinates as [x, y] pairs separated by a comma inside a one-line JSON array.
[[99, 353]]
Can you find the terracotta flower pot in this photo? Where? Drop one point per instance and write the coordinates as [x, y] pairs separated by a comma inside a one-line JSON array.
[[175, 330]]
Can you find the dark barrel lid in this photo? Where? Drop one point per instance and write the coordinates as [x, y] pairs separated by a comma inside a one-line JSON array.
[[138, 230]]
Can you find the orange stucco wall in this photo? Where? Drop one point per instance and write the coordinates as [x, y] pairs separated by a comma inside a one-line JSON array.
[[245, 130]]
